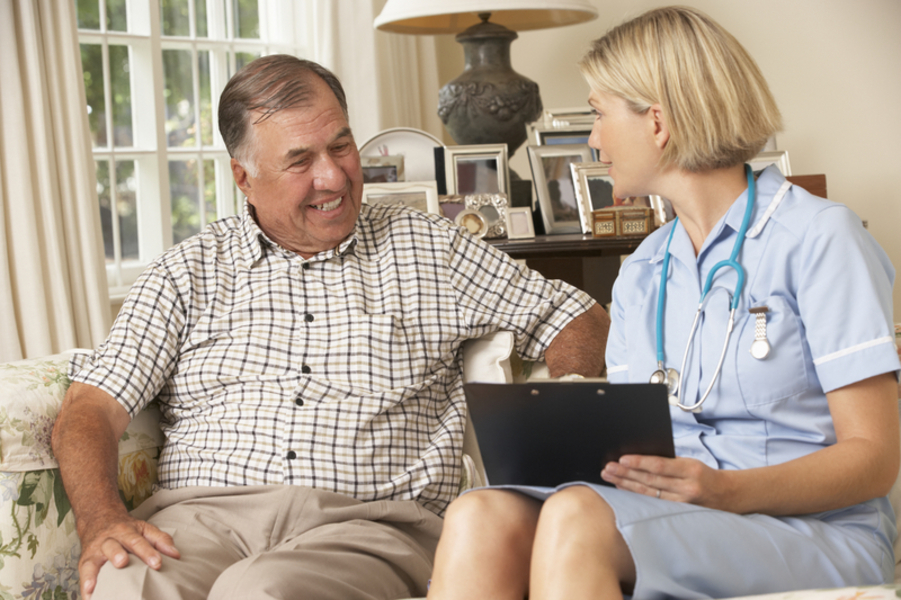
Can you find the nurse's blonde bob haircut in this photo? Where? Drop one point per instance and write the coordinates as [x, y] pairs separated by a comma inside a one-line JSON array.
[[716, 103]]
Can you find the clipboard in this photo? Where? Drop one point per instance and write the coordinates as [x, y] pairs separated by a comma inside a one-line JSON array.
[[552, 432]]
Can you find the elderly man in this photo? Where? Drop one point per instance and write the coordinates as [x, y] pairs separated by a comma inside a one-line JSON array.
[[306, 357]]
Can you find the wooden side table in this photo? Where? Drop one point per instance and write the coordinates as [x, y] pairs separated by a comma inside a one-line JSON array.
[[588, 263]]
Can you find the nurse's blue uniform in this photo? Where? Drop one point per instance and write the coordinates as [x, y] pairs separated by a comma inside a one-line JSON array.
[[827, 286]]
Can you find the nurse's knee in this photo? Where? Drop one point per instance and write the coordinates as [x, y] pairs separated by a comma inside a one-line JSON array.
[[578, 509], [499, 512]]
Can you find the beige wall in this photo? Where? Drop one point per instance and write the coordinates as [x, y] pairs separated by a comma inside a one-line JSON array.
[[833, 65]]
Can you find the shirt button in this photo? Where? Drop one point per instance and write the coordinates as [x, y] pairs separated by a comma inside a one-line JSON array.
[[292, 455], [306, 370], [306, 266], [299, 402], [308, 318]]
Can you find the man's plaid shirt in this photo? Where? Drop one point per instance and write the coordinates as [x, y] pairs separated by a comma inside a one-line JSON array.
[[342, 372]]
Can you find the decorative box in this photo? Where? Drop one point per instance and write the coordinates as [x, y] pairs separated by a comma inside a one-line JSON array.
[[622, 221]]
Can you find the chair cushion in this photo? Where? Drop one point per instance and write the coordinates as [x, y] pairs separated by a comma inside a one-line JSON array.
[[31, 393]]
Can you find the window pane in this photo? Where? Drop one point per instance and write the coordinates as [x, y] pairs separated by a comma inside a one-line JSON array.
[[209, 191], [106, 217], [92, 71], [174, 16], [88, 14], [200, 17], [116, 17], [179, 93], [206, 99], [127, 207], [247, 19], [242, 58], [121, 95], [185, 199]]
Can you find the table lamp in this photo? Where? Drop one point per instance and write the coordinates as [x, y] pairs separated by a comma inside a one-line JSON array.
[[489, 103]]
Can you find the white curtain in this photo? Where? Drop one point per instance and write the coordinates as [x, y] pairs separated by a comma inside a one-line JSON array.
[[53, 290], [391, 79]]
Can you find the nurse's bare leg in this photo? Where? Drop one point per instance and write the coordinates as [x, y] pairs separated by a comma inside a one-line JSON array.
[[578, 552], [485, 547]]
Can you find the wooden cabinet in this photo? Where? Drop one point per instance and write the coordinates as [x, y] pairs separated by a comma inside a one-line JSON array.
[[588, 263]]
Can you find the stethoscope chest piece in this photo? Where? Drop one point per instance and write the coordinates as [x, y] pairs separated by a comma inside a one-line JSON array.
[[669, 378]]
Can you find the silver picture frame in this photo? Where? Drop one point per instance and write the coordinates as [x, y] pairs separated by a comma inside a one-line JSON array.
[[772, 157], [494, 208], [519, 223], [477, 169], [555, 187], [422, 195], [382, 169]]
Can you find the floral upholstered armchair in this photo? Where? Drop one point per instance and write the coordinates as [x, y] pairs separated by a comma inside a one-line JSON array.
[[39, 547]]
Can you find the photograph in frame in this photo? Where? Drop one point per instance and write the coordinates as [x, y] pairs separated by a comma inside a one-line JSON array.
[[555, 187], [421, 195], [476, 169], [519, 223], [382, 169], [451, 206]]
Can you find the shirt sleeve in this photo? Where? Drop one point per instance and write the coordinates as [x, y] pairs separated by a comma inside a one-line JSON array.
[[845, 300], [138, 357], [496, 293]]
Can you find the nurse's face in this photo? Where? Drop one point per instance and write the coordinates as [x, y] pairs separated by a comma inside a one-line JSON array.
[[628, 142]]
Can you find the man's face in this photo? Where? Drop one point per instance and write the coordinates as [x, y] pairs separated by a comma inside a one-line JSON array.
[[309, 184]]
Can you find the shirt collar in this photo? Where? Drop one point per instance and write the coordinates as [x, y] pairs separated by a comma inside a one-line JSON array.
[[255, 243], [767, 184]]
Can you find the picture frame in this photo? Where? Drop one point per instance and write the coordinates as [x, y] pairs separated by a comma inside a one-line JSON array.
[[519, 223], [473, 221], [451, 206], [476, 169], [494, 209], [594, 190], [382, 169], [553, 134], [554, 185], [421, 195], [772, 157], [568, 116]]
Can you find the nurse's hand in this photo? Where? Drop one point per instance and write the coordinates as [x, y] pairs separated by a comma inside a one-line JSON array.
[[678, 479]]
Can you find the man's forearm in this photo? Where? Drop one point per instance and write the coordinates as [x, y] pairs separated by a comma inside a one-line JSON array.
[[579, 347], [85, 443]]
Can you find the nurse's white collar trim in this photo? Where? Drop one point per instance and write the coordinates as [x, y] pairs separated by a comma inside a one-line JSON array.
[[777, 200], [617, 369], [877, 342]]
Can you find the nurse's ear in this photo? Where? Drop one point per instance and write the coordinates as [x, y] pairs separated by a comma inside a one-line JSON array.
[[658, 122]]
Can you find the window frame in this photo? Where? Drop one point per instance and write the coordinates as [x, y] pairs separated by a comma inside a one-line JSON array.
[[285, 26]]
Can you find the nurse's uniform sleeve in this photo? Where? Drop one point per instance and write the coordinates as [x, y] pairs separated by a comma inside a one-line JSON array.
[[845, 300]]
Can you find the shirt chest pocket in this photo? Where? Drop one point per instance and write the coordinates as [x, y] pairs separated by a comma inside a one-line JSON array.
[[784, 370]]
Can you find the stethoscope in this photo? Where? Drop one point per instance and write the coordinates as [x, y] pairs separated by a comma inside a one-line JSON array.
[[670, 377]]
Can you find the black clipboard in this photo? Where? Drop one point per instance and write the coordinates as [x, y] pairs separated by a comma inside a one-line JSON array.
[[552, 432]]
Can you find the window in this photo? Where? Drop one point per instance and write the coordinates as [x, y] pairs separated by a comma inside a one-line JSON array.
[[153, 72]]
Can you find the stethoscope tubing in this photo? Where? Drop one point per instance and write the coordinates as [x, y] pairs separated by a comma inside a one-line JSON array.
[[731, 262]]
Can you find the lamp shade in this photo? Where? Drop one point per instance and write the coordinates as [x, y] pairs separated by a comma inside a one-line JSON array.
[[434, 17]]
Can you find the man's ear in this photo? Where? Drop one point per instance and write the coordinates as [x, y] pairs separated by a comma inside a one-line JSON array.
[[661, 130], [242, 178]]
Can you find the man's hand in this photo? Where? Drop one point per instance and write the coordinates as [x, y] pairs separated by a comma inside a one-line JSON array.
[[113, 541]]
